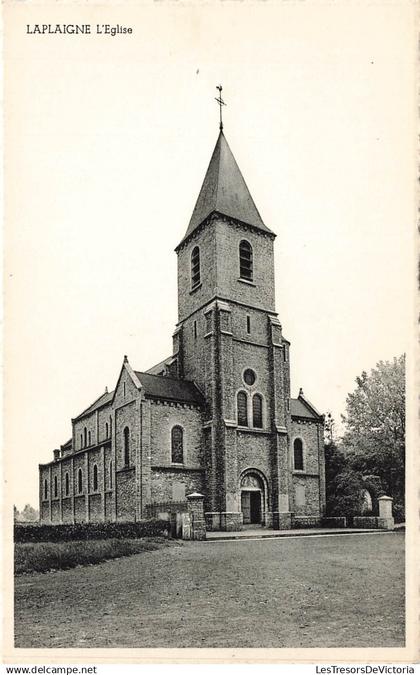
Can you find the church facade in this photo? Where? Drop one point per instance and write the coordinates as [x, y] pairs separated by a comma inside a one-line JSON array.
[[217, 416]]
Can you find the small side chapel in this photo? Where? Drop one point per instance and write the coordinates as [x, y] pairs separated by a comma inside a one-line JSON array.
[[216, 417]]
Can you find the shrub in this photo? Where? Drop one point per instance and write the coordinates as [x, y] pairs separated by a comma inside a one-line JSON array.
[[45, 556], [89, 531]]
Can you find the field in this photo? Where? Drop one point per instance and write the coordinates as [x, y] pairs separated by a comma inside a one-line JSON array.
[[341, 591]]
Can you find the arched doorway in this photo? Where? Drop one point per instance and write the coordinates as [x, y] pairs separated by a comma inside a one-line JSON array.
[[253, 498]]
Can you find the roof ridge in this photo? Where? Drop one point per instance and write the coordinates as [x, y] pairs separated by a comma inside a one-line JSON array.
[[163, 377]]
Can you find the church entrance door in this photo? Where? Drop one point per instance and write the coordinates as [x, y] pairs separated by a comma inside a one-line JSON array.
[[252, 499], [251, 506]]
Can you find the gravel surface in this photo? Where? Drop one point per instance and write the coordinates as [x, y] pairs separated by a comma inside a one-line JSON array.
[[343, 591]]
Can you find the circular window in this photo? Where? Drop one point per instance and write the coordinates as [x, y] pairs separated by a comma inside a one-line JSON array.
[[249, 376]]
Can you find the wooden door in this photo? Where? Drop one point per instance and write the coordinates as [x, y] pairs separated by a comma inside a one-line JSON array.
[[246, 506]]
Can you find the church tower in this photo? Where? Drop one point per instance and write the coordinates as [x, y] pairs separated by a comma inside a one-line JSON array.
[[229, 341]]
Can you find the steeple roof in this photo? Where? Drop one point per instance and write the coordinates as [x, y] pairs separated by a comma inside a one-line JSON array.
[[225, 191]]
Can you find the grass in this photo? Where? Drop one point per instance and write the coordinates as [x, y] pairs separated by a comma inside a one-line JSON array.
[[46, 556]]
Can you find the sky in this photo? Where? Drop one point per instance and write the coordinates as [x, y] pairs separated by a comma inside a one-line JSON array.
[[107, 143]]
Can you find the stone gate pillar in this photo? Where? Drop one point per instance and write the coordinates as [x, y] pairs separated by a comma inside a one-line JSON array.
[[386, 520], [197, 529]]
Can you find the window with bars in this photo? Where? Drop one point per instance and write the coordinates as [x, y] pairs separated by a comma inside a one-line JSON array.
[[257, 420], [177, 445], [95, 478], [126, 446], [242, 405], [195, 267], [298, 454], [246, 270]]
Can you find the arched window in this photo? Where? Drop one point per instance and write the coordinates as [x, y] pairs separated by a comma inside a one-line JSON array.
[[45, 489], [298, 454], [242, 404], [126, 446], [89, 438], [85, 437], [81, 440], [246, 270], [110, 474], [79, 481], [195, 267], [95, 478], [55, 486], [66, 484], [106, 430], [177, 445], [257, 420]]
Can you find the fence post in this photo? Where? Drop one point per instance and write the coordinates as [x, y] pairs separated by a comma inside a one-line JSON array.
[[385, 520], [196, 513]]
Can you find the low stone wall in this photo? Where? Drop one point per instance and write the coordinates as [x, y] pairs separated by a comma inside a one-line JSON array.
[[369, 522], [305, 521], [334, 522]]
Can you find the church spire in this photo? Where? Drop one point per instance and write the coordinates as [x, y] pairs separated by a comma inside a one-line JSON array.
[[224, 191]]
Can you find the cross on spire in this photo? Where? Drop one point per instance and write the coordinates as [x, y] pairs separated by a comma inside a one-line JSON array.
[[221, 102]]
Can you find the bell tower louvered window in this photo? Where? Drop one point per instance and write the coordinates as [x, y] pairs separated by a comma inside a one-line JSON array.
[[177, 445], [195, 268], [242, 403], [246, 265]]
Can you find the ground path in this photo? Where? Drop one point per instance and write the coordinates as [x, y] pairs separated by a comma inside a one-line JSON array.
[[335, 591]]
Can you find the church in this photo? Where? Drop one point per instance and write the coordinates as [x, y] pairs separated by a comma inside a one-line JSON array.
[[216, 417]]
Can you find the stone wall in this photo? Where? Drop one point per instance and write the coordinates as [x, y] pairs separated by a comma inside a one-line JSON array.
[[126, 490], [260, 292], [164, 416]]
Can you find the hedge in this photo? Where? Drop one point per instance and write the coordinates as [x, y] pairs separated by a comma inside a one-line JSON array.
[[86, 531]]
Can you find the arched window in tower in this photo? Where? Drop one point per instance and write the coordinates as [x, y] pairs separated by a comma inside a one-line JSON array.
[[246, 264], [177, 445], [298, 454], [242, 405], [95, 478], [55, 486], [126, 446], [66, 484], [195, 267], [45, 489], [79, 481], [257, 420]]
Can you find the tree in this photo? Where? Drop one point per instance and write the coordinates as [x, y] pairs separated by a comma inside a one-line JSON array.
[[374, 438], [345, 494], [29, 514]]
